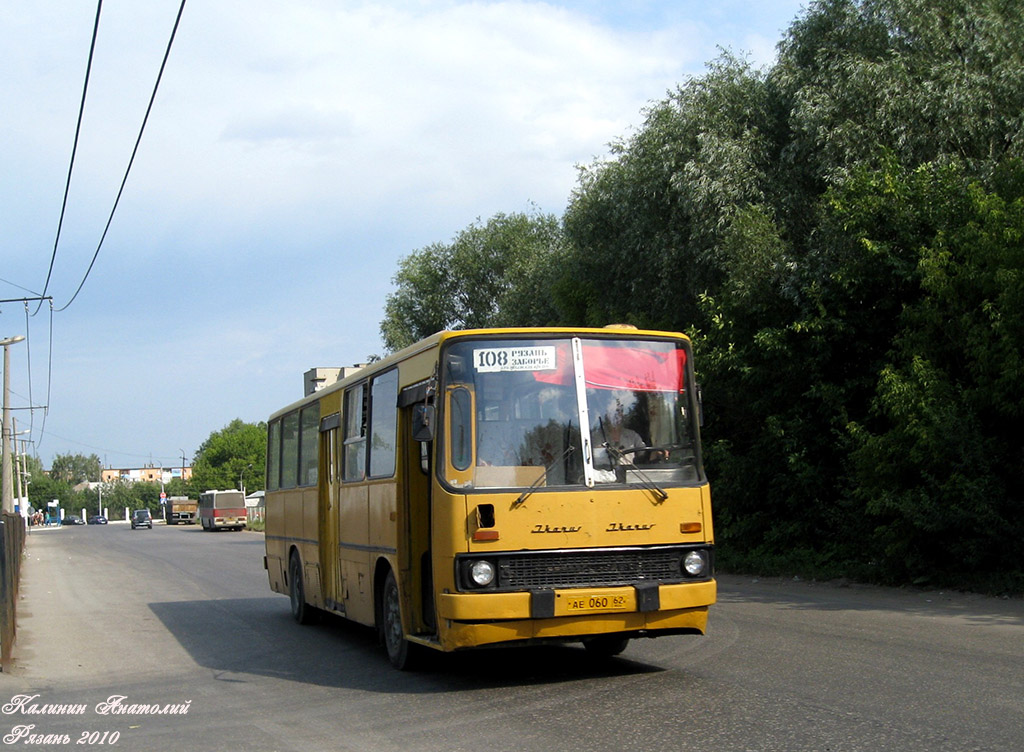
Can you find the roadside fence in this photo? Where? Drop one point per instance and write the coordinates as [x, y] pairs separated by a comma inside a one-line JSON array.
[[12, 546]]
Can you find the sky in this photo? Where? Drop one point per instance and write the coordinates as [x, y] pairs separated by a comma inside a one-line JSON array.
[[294, 153]]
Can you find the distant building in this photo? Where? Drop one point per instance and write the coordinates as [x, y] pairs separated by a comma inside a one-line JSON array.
[[255, 505], [146, 474], [316, 379]]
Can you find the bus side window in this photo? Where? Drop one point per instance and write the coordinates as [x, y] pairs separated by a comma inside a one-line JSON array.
[[383, 425], [355, 434], [309, 446], [274, 456], [290, 451]]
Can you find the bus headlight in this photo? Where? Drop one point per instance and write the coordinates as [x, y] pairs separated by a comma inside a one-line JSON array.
[[695, 563], [481, 573]]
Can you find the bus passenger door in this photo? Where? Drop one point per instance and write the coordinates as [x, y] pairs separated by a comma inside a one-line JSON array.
[[330, 567], [416, 469]]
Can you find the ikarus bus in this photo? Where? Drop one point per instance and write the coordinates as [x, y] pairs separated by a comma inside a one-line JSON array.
[[499, 487]]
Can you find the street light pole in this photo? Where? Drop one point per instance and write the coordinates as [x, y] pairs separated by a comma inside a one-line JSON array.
[[19, 468], [241, 485], [5, 468]]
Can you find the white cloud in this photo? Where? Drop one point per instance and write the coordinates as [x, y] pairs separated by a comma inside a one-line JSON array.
[[354, 105]]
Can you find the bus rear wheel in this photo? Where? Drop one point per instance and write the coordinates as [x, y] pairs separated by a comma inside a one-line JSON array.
[[301, 611], [400, 652]]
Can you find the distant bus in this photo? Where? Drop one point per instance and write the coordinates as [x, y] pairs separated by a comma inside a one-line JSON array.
[[499, 487], [180, 509], [222, 510]]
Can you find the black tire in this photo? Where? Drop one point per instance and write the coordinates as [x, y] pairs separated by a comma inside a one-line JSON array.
[[400, 652], [605, 646], [302, 612]]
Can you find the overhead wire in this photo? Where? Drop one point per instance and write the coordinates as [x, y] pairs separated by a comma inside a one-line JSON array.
[[163, 460], [74, 149], [28, 358], [49, 377], [67, 187], [15, 284], [131, 161]]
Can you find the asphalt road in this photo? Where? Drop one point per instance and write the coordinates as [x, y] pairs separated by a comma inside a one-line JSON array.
[[177, 619]]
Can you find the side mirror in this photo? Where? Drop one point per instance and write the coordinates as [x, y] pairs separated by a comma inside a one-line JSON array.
[[423, 422]]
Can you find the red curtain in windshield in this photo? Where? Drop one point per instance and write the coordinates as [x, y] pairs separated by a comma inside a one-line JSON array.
[[622, 366]]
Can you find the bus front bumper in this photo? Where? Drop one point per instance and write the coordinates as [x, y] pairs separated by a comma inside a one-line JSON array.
[[474, 619]]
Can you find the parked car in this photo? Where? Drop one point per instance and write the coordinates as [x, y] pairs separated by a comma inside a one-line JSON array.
[[97, 519], [142, 518], [72, 520]]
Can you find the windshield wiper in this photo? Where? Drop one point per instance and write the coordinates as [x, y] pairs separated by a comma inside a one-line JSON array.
[[621, 459], [543, 476]]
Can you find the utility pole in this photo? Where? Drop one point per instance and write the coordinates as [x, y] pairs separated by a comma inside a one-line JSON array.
[[5, 468], [19, 469]]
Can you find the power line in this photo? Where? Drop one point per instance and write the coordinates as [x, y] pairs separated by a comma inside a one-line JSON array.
[[131, 161], [105, 451], [49, 382], [67, 189], [15, 284], [74, 149]]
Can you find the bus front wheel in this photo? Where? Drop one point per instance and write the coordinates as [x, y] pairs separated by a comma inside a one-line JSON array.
[[400, 652]]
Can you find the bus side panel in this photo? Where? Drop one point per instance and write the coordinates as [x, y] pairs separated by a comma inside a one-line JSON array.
[[277, 548], [311, 548], [383, 513], [353, 537]]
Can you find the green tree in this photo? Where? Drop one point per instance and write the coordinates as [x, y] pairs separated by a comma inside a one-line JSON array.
[[937, 462], [42, 487], [76, 468], [177, 487], [493, 274], [645, 228], [236, 452], [922, 78]]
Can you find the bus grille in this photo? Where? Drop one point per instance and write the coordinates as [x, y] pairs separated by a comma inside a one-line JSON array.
[[568, 569]]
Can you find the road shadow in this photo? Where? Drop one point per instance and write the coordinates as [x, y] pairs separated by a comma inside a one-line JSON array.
[[978, 610], [236, 638]]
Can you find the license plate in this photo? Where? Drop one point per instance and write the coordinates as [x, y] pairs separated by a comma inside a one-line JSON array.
[[596, 603]]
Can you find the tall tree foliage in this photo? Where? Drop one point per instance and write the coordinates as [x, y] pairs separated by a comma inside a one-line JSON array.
[[76, 468], [938, 461], [664, 201], [492, 274], [234, 455]]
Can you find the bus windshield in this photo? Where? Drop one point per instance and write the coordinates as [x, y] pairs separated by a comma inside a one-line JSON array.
[[516, 408]]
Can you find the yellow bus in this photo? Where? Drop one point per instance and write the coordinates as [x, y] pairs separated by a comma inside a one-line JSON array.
[[498, 487]]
